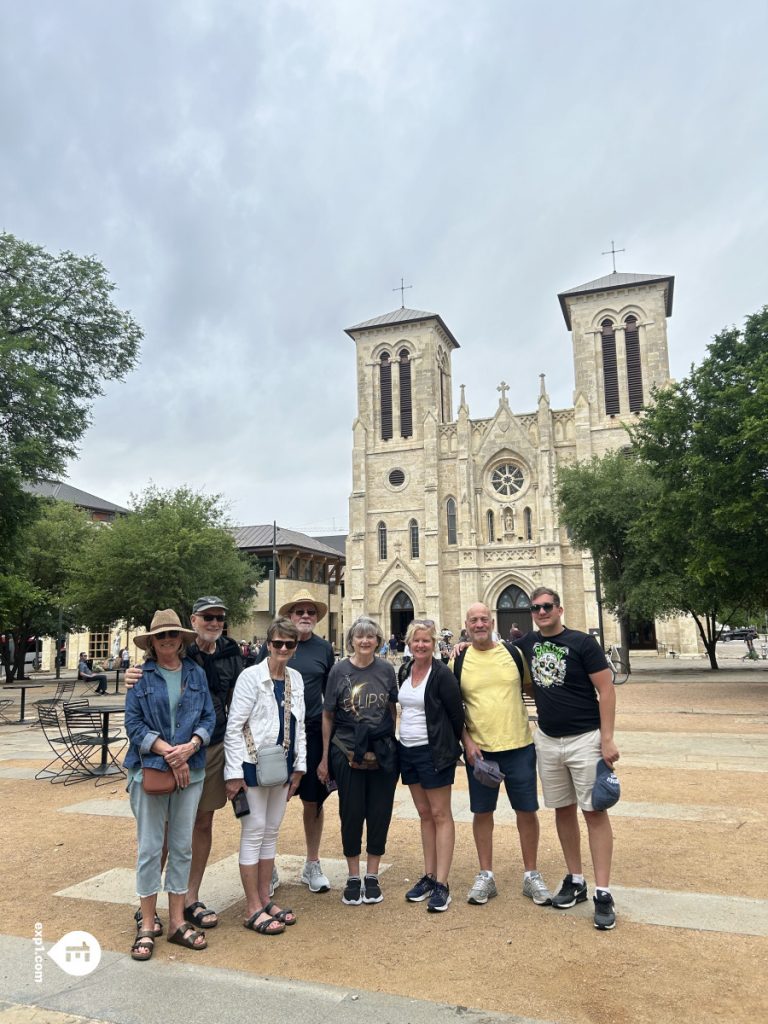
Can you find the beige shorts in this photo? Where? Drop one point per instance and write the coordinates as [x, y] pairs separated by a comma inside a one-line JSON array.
[[214, 793], [567, 767]]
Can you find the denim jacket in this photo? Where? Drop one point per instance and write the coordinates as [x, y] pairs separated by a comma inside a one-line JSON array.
[[148, 715]]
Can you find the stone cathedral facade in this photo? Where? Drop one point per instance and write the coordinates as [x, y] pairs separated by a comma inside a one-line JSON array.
[[447, 509]]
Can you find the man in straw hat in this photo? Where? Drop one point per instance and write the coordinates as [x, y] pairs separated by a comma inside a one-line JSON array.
[[222, 662], [314, 659]]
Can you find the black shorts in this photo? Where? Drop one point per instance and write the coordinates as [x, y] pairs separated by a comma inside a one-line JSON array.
[[310, 787]]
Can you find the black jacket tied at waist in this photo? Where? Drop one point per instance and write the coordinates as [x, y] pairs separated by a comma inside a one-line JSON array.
[[379, 740]]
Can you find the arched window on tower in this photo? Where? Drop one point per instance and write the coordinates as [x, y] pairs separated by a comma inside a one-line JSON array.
[[491, 526], [445, 406], [528, 523], [634, 368], [382, 532], [406, 408], [610, 372], [385, 394], [413, 534], [450, 516]]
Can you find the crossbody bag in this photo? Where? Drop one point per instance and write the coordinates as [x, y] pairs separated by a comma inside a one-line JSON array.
[[271, 760]]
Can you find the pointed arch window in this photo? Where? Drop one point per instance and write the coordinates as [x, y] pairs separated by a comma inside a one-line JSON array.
[[610, 371], [528, 523], [413, 535], [450, 516], [634, 367], [385, 395], [445, 406], [406, 407], [382, 535], [490, 526]]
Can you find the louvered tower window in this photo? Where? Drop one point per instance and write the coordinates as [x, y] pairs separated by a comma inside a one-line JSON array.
[[634, 369], [385, 388], [406, 409], [491, 526], [413, 530], [382, 532], [450, 516], [528, 523], [610, 372]]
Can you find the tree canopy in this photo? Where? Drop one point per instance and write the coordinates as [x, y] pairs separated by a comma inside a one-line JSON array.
[[61, 337], [175, 546]]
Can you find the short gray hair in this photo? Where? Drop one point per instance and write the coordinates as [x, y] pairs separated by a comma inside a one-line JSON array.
[[363, 626]]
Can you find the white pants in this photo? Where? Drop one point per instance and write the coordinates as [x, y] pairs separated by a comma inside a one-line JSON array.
[[258, 834]]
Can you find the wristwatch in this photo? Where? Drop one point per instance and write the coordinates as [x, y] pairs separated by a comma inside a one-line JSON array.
[[195, 743]]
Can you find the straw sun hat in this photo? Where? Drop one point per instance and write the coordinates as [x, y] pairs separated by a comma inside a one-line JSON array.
[[162, 621]]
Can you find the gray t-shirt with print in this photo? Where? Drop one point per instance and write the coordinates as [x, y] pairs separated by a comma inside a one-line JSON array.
[[359, 695]]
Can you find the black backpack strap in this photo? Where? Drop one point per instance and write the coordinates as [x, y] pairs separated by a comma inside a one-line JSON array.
[[458, 661], [516, 657]]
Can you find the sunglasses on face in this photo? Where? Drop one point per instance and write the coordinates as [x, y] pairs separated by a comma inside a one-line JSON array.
[[305, 611], [169, 634], [287, 644], [546, 607], [214, 618]]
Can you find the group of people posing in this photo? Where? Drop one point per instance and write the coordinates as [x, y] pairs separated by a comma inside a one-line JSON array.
[[205, 730]]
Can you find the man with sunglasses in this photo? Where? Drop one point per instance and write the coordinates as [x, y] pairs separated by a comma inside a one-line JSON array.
[[314, 659], [222, 661], [576, 705]]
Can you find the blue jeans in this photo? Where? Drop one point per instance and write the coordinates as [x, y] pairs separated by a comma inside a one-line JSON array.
[[151, 813]]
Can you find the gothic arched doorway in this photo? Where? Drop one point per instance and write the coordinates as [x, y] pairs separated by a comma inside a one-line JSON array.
[[513, 606], [400, 615]]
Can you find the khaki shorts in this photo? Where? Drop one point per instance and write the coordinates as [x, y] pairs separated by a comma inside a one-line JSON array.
[[214, 793], [567, 767]]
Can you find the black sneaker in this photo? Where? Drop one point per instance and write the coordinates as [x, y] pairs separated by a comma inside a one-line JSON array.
[[421, 890], [372, 890], [439, 900], [352, 895], [605, 912], [569, 894]]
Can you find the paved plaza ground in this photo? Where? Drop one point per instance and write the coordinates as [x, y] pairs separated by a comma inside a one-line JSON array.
[[691, 943]]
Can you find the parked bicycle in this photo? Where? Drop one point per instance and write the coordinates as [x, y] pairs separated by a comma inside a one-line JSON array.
[[618, 666]]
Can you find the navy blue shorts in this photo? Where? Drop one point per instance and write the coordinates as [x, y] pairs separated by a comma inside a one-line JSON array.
[[519, 768], [416, 766]]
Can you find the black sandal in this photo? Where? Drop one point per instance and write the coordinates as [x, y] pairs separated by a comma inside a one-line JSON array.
[[195, 913], [281, 915], [143, 945], [185, 935]]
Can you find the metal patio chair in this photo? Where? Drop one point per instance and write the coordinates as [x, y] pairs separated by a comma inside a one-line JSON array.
[[87, 736], [66, 765]]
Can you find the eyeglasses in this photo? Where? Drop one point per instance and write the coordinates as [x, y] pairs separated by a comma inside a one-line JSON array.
[[169, 634], [546, 607], [287, 644], [214, 618], [305, 611]]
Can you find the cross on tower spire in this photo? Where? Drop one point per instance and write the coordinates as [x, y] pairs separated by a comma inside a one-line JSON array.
[[612, 253], [503, 388], [402, 288]]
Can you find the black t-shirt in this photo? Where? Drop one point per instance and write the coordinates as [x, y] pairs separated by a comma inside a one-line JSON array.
[[314, 659], [566, 700], [355, 695]]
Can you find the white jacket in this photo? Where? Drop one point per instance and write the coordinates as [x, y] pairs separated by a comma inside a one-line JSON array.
[[253, 701]]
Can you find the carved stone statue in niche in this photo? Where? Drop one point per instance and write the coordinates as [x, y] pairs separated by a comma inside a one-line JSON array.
[[509, 521]]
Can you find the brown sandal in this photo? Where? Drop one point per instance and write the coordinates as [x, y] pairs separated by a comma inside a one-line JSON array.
[[185, 935], [143, 945], [266, 927]]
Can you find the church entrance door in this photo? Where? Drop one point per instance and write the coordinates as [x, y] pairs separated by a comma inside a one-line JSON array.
[[400, 615], [513, 607]]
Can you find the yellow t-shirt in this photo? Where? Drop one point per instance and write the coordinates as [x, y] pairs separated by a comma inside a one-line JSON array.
[[495, 715]]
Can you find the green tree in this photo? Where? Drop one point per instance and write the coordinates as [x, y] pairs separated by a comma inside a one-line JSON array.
[[705, 441], [175, 546], [602, 504], [34, 587], [61, 337]]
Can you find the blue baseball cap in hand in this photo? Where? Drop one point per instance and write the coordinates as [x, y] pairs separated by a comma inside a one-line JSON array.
[[606, 790]]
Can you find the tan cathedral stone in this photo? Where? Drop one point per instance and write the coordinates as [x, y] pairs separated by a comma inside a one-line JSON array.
[[445, 510]]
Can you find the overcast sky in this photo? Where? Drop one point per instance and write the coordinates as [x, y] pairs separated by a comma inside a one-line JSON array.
[[257, 175]]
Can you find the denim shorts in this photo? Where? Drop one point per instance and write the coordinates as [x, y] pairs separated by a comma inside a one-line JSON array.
[[416, 766], [519, 768]]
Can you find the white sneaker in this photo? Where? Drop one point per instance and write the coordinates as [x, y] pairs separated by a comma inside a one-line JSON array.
[[313, 876], [274, 885], [535, 888], [483, 890]]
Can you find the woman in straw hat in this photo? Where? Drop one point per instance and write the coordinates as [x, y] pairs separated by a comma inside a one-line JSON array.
[[169, 717]]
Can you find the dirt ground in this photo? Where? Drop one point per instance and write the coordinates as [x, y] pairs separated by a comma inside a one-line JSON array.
[[509, 955]]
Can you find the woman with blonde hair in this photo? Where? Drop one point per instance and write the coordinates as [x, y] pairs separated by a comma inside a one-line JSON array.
[[431, 722], [169, 718]]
